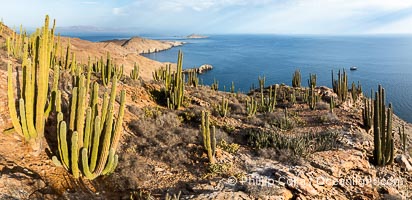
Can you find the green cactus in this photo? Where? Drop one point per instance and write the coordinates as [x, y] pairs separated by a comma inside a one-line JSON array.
[[215, 85], [367, 114], [251, 107], [293, 97], [134, 74], [296, 80], [174, 85], [95, 135], [209, 137], [382, 130], [402, 138], [232, 87], [223, 107], [332, 104], [312, 81], [30, 120], [313, 98], [192, 79], [340, 86]]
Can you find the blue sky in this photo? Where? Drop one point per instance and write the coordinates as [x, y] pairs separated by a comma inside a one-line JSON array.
[[171, 17]]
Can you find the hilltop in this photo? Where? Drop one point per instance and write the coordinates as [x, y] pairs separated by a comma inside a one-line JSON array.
[[288, 152]]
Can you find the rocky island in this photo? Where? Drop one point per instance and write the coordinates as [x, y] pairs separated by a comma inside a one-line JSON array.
[[164, 137], [196, 36]]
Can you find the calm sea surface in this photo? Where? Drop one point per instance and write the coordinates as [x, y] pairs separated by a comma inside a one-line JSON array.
[[385, 60]]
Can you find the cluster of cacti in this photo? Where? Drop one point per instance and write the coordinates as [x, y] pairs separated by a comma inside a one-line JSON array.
[[312, 81], [15, 43], [135, 73], [108, 70], [209, 137], [94, 133], [296, 80], [174, 85], [367, 114], [223, 108], [251, 107], [160, 73], [285, 123], [268, 104], [340, 86], [382, 130], [402, 137], [332, 104], [215, 85], [356, 91], [192, 79], [30, 120]]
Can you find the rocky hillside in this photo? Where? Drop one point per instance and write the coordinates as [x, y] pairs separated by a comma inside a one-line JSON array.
[[142, 45], [290, 152]]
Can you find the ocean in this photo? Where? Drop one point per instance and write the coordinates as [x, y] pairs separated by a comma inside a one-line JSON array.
[[380, 59]]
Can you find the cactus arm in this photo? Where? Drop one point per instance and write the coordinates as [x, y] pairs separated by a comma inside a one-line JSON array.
[[85, 164], [75, 155], [81, 108], [11, 102], [95, 145], [73, 109], [119, 122]]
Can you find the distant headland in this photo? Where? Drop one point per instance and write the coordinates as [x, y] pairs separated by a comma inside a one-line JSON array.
[[196, 36]]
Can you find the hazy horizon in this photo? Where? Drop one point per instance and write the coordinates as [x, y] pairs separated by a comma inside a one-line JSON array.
[[182, 17]]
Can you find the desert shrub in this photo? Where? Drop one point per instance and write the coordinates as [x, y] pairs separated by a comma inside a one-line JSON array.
[[134, 109], [230, 148], [282, 122], [328, 118], [299, 144], [219, 168], [229, 128], [321, 105]]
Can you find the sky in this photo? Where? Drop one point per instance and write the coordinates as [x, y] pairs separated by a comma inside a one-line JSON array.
[[174, 17]]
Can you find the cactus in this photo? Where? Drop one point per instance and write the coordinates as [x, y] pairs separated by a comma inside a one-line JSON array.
[[340, 86], [269, 102], [332, 104], [312, 81], [402, 138], [262, 81], [313, 98], [134, 74], [95, 135], [174, 85], [296, 80], [382, 130], [367, 114], [223, 108], [192, 79], [251, 107], [215, 85], [232, 87], [209, 137], [30, 120], [293, 97]]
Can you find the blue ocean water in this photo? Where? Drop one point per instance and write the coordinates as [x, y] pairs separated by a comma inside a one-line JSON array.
[[381, 59], [385, 60]]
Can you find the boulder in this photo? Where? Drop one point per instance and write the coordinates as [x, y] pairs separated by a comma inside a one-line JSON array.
[[403, 162]]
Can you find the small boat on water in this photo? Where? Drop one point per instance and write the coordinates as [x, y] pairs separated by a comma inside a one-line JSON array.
[[353, 68]]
